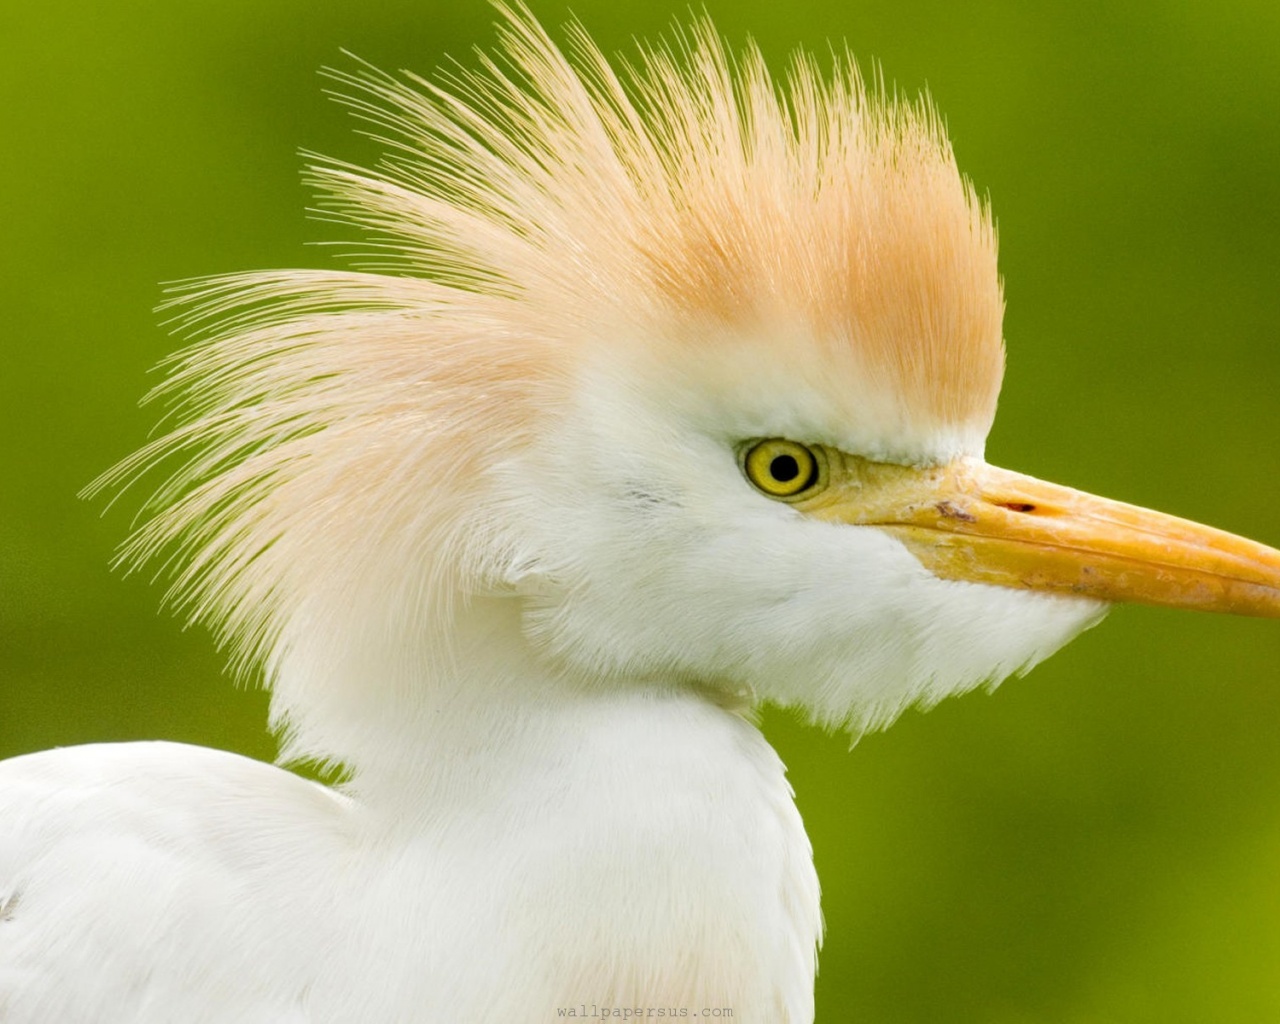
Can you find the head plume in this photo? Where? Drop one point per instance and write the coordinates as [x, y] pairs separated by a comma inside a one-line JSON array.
[[334, 429]]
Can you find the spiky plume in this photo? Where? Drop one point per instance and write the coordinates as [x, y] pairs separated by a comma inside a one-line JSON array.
[[336, 427]]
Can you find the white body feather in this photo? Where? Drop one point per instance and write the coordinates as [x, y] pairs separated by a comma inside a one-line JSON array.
[[630, 848]]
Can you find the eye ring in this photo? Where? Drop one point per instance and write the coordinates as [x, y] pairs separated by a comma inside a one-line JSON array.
[[782, 469]]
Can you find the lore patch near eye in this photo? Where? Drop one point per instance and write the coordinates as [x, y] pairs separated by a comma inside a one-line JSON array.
[[781, 468]]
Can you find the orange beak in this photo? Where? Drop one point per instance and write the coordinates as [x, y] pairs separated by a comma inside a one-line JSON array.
[[970, 521]]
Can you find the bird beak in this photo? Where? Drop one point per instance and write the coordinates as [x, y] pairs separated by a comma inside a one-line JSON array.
[[969, 521]]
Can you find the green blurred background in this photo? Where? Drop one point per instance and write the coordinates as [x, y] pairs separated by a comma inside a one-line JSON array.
[[1098, 843]]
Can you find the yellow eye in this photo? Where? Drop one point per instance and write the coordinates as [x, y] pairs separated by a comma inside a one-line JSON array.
[[781, 469]]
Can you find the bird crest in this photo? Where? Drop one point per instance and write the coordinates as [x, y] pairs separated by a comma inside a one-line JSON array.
[[528, 213]]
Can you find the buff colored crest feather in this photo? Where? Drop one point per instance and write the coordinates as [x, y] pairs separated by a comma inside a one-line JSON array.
[[524, 213]]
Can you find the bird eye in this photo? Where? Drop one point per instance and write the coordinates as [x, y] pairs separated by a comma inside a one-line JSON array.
[[780, 468]]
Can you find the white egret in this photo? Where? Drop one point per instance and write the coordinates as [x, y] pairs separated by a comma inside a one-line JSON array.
[[668, 398]]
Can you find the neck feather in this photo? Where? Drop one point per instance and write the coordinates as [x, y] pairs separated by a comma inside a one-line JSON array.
[[647, 836]]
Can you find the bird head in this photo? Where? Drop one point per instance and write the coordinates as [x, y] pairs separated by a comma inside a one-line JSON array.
[[687, 369]]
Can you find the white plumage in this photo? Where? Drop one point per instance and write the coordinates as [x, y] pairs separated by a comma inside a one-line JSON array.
[[487, 518]]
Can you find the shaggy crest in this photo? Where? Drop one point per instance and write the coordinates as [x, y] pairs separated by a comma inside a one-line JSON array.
[[334, 428]]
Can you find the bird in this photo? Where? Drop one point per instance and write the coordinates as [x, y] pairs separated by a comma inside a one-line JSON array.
[[658, 392]]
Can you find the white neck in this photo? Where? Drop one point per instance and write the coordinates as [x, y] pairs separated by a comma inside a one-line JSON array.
[[637, 842]]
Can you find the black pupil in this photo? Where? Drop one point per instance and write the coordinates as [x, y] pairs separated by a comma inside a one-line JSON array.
[[784, 468]]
